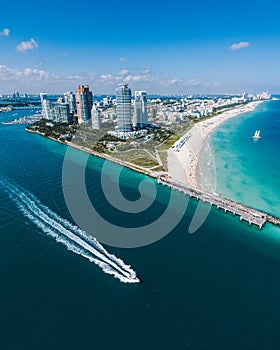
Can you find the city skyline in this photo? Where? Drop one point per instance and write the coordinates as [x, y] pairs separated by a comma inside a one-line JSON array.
[[184, 49]]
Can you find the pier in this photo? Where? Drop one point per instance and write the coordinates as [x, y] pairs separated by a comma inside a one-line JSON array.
[[252, 216]]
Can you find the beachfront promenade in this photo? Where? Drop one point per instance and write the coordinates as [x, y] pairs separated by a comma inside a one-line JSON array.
[[252, 216]]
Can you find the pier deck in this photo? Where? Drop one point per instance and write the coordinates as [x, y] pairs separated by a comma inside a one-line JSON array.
[[252, 216]]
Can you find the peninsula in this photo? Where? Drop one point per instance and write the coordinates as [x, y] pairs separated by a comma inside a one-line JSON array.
[[170, 152]]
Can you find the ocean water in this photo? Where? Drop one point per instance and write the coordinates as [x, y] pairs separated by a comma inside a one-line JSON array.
[[248, 170], [216, 289]]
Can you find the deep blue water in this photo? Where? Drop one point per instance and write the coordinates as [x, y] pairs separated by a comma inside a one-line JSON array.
[[216, 289]]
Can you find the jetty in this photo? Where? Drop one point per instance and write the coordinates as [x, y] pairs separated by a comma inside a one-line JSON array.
[[252, 216]]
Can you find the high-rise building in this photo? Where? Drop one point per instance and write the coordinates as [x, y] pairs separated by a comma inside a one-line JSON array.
[[95, 118], [46, 105], [60, 112], [123, 95], [84, 103], [140, 118], [70, 98]]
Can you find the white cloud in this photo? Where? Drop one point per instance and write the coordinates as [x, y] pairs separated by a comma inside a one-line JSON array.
[[240, 45], [27, 45], [28, 75], [136, 78], [5, 32], [123, 59], [37, 79], [79, 78], [106, 77], [175, 81], [75, 77], [7, 73], [170, 82], [147, 71], [212, 85], [37, 74], [124, 72], [124, 76], [192, 82]]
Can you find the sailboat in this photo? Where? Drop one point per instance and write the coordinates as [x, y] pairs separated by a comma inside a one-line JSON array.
[[257, 135]]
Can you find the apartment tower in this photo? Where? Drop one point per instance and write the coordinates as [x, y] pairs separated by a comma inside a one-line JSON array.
[[123, 95], [84, 103], [140, 118]]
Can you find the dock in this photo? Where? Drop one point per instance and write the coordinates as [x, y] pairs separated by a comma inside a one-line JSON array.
[[251, 215]]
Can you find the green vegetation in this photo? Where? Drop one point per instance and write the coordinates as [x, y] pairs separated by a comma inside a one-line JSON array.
[[145, 162], [139, 157], [147, 151], [60, 132]]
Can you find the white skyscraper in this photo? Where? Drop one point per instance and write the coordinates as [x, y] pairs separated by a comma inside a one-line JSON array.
[[95, 118], [59, 112], [70, 98], [123, 95], [45, 105], [140, 118]]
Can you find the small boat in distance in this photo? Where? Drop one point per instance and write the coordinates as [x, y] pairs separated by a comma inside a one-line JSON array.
[[257, 135]]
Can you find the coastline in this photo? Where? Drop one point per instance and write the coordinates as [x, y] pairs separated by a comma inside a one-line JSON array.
[[128, 165], [181, 168], [175, 178], [184, 161]]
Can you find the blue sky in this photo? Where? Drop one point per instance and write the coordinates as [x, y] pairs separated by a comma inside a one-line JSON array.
[[177, 47]]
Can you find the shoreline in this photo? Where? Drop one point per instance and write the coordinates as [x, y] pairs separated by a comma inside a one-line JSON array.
[[128, 165], [184, 161], [203, 128]]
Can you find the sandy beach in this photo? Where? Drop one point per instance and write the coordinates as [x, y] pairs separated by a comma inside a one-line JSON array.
[[183, 157]]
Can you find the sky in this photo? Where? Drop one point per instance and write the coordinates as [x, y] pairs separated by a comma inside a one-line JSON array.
[[178, 47]]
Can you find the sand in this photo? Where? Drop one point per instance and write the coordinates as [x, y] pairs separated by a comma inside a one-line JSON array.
[[183, 162]]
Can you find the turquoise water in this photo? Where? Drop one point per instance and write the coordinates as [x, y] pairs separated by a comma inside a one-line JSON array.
[[247, 170], [216, 289]]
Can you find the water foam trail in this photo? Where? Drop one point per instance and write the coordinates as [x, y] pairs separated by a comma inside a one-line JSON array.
[[69, 235], [82, 234]]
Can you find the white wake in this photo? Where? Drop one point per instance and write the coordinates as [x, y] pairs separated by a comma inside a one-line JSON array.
[[75, 239]]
